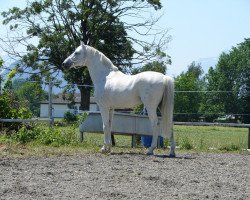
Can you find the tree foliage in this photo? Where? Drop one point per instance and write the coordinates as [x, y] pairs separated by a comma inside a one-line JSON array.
[[1, 78], [30, 92], [187, 104], [156, 66], [60, 25], [232, 74], [19, 99], [228, 86], [12, 108]]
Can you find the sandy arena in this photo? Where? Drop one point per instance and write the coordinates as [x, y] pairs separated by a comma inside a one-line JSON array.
[[127, 176]]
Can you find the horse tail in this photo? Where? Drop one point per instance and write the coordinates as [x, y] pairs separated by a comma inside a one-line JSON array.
[[167, 107]]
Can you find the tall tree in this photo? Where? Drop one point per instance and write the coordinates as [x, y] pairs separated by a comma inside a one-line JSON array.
[[60, 25], [1, 78], [231, 74], [187, 104]]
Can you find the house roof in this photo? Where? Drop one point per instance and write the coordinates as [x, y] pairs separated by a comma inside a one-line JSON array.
[[60, 99]]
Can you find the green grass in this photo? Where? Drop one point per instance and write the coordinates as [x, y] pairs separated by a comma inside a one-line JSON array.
[[193, 138], [205, 138], [65, 140]]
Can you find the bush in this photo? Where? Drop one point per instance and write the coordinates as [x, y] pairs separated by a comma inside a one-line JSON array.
[[49, 136], [25, 135], [11, 108], [230, 147], [82, 117], [70, 117], [56, 138]]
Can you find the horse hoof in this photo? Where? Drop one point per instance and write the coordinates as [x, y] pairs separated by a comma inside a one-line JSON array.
[[172, 155], [150, 152], [105, 149]]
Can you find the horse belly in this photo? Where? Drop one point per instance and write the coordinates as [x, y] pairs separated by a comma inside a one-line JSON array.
[[124, 100]]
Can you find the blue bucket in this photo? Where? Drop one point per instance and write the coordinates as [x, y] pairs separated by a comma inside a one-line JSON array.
[[146, 141]]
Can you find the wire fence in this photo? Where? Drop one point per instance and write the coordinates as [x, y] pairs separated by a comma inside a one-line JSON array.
[[56, 104]]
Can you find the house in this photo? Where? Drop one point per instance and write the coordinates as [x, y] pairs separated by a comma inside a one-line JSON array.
[[60, 105]]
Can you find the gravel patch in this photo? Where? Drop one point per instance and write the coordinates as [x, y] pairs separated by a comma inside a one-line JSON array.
[[127, 176]]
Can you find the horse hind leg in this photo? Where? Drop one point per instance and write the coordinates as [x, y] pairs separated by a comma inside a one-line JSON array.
[[172, 147], [155, 127]]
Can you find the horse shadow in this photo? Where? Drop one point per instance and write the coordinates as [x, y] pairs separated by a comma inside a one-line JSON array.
[[176, 157], [181, 157]]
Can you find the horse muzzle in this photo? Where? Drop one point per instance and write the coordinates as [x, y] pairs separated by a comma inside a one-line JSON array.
[[67, 64]]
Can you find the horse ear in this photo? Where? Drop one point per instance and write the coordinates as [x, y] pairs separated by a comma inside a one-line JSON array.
[[82, 43]]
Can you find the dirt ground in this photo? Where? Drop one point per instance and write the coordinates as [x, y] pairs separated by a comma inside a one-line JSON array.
[[127, 176]]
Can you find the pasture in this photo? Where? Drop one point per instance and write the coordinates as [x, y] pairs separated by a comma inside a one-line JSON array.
[[193, 138], [210, 164]]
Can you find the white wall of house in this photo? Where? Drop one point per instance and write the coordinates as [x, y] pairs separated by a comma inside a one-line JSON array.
[[44, 112], [60, 109]]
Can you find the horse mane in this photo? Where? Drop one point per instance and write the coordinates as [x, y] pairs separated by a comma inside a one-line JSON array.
[[105, 60]]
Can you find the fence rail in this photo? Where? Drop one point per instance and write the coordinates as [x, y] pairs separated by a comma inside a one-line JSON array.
[[213, 124], [50, 121], [26, 120]]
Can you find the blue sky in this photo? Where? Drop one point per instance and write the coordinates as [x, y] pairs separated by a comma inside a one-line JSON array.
[[201, 29]]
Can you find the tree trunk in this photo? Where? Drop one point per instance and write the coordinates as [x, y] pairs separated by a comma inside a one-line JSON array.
[[85, 98]]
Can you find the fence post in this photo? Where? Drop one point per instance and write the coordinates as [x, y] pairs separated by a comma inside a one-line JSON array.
[[0, 84], [248, 138], [50, 104]]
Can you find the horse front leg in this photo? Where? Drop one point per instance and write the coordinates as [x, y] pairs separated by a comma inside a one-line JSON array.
[[107, 116]]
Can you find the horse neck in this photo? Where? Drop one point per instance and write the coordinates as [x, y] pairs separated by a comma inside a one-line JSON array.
[[97, 70]]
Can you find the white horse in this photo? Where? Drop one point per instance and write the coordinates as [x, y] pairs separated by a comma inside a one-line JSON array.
[[114, 89]]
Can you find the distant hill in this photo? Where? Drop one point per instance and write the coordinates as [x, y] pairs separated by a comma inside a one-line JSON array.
[[10, 64]]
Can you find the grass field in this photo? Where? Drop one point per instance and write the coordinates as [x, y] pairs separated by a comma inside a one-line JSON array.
[[204, 138], [65, 140], [188, 137]]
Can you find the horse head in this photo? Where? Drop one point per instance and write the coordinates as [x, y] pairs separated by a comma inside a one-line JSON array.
[[77, 59]]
